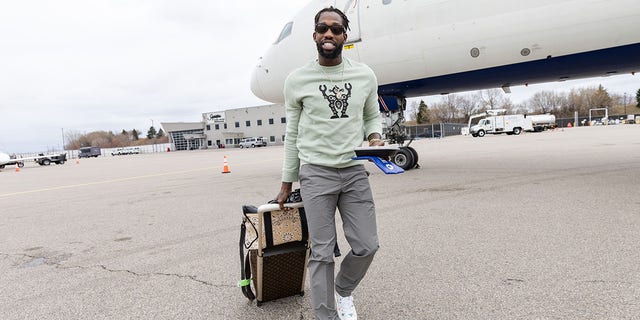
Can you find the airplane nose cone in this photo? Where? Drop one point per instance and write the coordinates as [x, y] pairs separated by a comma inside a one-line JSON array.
[[266, 85], [255, 84]]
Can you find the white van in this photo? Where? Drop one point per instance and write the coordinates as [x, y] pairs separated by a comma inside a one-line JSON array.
[[126, 150], [252, 143]]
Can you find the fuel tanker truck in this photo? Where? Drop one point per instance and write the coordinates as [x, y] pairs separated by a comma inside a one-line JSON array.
[[542, 122]]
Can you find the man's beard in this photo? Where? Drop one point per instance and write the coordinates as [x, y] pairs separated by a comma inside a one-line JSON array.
[[335, 53]]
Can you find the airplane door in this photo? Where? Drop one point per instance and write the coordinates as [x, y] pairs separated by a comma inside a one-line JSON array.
[[351, 9]]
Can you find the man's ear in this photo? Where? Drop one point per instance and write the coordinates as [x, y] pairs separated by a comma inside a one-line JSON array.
[[314, 36], [345, 37]]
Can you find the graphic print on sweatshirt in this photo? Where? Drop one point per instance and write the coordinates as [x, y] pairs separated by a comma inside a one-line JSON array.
[[338, 99]]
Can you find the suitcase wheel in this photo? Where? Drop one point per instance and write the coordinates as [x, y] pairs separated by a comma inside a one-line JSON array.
[[258, 303], [302, 294]]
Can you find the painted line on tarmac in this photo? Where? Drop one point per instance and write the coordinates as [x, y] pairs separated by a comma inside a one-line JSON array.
[[101, 182]]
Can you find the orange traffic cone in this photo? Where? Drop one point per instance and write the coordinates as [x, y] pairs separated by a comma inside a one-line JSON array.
[[225, 169], [17, 168]]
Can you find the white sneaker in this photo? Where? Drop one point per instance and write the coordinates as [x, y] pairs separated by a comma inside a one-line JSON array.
[[346, 309]]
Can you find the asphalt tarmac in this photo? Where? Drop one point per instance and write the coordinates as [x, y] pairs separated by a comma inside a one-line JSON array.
[[536, 226]]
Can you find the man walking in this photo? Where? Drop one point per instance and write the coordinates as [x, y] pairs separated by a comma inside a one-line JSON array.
[[331, 106]]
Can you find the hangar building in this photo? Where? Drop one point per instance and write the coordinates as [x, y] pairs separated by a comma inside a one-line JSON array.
[[229, 127]]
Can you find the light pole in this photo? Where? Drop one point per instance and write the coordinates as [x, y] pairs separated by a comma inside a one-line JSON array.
[[63, 139], [154, 136], [625, 103]]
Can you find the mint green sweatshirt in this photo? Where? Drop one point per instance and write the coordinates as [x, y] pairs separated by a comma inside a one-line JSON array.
[[330, 111]]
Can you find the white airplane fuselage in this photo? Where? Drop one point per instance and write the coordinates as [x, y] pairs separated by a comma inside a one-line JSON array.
[[419, 48]]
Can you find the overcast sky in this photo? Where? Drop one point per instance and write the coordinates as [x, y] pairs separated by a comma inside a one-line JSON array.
[[82, 66]]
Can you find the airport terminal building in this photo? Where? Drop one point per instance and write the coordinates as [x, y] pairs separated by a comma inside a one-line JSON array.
[[227, 128]]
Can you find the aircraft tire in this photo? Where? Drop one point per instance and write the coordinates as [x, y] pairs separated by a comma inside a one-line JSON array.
[[403, 158], [415, 157], [20, 164]]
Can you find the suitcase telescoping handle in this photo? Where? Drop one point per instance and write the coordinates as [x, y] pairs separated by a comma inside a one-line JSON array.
[[274, 206]]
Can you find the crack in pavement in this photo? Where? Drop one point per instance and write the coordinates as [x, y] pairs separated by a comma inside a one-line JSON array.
[[56, 264], [182, 276]]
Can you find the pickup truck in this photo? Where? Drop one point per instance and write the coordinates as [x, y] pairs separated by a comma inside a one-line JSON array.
[[41, 159], [45, 160]]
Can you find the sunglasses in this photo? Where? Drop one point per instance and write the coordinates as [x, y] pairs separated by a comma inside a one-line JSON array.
[[336, 29]]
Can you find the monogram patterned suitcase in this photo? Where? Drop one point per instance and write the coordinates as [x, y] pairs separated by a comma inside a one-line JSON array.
[[278, 251]]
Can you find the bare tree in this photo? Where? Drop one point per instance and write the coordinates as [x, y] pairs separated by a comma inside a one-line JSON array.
[[490, 99], [413, 110], [520, 108], [546, 101], [445, 110], [72, 138], [507, 105], [467, 106]]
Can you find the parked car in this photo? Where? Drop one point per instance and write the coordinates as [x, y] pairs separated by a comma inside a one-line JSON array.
[[252, 142], [125, 150]]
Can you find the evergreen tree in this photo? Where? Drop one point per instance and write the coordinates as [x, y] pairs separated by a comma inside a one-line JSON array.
[[135, 134], [601, 97], [638, 98], [124, 132], [151, 133], [160, 133], [423, 113]]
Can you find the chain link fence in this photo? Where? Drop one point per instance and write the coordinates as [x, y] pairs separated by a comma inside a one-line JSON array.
[[598, 120], [434, 130]]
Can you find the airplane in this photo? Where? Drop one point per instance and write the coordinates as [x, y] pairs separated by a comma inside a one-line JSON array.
[[42, 159], [5, 160], [421, 48]]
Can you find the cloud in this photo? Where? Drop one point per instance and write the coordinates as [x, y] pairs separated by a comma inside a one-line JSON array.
[[109, 65]]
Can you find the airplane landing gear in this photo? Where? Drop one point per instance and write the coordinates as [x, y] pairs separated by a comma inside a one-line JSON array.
[[406, 158], [393, 108]]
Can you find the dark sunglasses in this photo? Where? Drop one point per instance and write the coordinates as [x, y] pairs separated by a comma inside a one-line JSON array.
[[336, 29]]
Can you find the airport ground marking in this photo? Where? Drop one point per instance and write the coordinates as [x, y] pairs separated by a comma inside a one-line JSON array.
[[251, 162], [102, 182]]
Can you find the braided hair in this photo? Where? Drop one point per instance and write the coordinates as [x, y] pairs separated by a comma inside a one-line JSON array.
[[345, 20]]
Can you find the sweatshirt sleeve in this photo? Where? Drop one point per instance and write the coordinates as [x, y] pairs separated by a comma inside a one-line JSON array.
[[372, 118], [293, 108]]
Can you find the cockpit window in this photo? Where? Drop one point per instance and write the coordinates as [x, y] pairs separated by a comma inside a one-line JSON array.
[[286, 31]]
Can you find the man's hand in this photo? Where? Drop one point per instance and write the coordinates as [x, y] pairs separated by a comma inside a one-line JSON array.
[[375, 140], [285, 190]]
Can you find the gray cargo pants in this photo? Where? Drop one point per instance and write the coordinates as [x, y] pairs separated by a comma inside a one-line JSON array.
[[324, 189]]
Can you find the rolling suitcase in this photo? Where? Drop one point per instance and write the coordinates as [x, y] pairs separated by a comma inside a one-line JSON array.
[[278, 251]]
